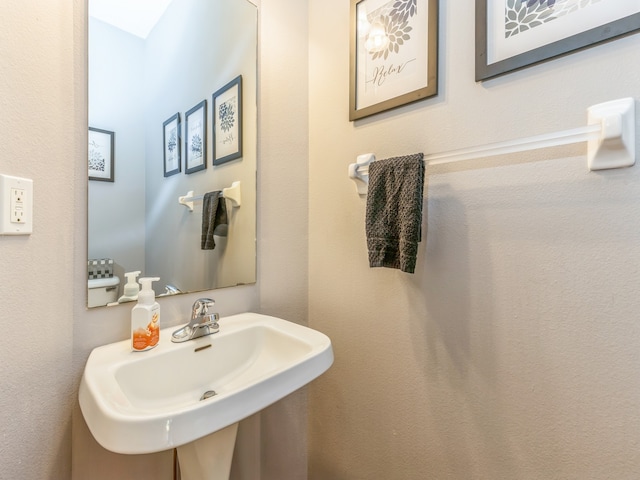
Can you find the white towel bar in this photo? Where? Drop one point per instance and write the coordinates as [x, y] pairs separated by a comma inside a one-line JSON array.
[[231, 193], [610, 134]]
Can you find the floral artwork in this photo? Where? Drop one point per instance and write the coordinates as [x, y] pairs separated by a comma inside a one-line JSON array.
[[195, 131], [196, 146], [227, 114], [523, 15], [394, 18], [101, 155], [172, 143], [227, 120], [513, 34], [394, 54], [171, 136], [97, 160]]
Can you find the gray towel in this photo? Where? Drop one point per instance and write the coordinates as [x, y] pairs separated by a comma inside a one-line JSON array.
[[214, 219], [394, 212]]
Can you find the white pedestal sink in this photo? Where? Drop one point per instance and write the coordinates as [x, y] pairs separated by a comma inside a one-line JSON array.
[[191, 395]]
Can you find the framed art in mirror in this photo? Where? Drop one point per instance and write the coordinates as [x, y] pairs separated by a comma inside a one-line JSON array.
[[135, 87], [101, 155], [513, 34], [196, 141], [393, 54], [171, 148], [227, 122]]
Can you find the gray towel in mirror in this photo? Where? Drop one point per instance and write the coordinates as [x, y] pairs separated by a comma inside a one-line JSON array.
[[393, 220], [214, 219]]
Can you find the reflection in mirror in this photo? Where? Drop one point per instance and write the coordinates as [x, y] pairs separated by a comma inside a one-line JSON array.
[[179, 96]]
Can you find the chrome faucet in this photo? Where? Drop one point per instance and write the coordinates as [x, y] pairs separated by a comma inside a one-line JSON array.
[[171, 290], [203, 322]]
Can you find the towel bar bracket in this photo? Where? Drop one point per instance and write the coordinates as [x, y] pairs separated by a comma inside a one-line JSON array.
[[616, 145], [187, 200], [232, 193], [359, 172]]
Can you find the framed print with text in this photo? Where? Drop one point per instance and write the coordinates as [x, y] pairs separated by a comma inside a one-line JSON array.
[[394, 54]]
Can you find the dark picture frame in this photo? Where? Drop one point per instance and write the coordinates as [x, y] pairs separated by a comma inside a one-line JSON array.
[[393, 54], [227, 122], [195, 142], [101, 155], [172, 145], [547, 28]]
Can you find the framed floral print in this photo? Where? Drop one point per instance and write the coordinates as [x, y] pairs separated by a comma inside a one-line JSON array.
[[101, 155], [227, 122], [171, 138], [195, 146], [513, 34], [394, 54]]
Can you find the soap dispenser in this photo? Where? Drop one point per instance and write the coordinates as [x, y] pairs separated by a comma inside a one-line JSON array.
[[131, 289], [145, 318]]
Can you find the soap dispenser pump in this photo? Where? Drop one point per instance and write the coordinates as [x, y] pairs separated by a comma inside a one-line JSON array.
[[131, 288], [145, 318]]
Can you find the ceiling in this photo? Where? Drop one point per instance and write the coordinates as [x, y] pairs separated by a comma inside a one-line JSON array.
[[134, 16]]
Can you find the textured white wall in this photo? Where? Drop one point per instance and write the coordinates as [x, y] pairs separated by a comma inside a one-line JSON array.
[[283, 213], [209, 64], [116, 71], [38, 141], [513, 350]]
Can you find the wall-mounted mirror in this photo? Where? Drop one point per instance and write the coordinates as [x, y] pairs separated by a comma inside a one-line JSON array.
[[147, 75]]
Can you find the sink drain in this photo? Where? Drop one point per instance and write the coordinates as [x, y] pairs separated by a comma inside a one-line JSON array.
[[207, 394]]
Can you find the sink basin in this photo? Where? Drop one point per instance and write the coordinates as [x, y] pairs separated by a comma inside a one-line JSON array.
[[144, 402]]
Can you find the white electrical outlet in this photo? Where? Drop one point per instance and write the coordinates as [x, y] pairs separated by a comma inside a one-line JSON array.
[[16, 205]]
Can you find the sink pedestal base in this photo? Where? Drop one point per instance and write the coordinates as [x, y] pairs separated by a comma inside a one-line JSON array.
[[208, 458]]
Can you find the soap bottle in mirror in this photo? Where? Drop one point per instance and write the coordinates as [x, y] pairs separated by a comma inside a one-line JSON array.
[[145, 318], [131, 288]]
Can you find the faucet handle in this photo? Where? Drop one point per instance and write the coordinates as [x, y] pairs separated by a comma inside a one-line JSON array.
[[203, 322], [201, 307]]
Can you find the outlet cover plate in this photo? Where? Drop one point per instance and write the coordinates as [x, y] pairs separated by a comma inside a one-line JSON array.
[[16, 205]]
